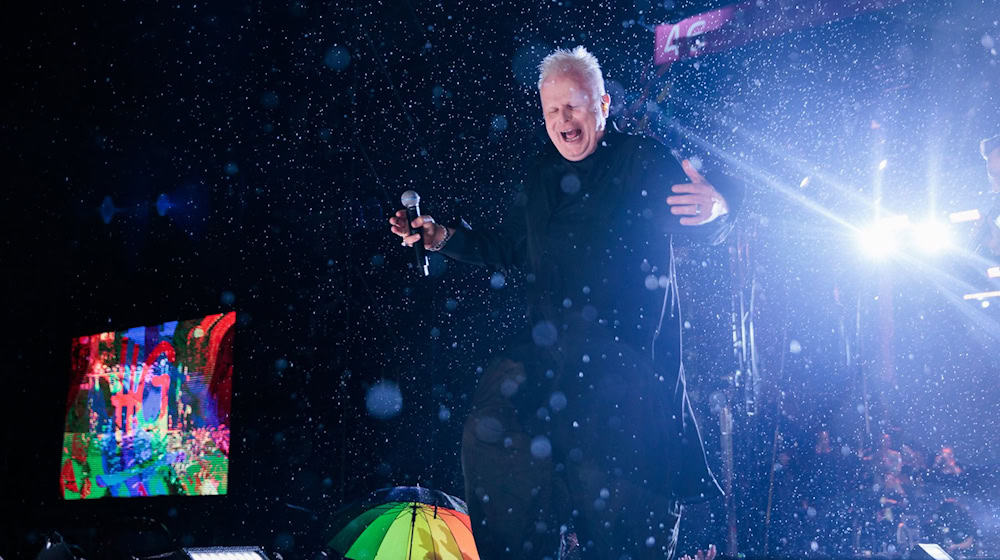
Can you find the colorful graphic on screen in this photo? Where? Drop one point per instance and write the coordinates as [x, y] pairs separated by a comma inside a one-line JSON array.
[[148, 411]]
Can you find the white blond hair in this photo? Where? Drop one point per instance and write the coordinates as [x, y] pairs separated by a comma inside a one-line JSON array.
[[581, 63]]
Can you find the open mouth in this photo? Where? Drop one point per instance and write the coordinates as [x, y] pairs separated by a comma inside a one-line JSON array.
[[571, 135]]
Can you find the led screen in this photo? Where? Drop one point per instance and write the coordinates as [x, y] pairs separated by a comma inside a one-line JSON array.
[[148, 411]]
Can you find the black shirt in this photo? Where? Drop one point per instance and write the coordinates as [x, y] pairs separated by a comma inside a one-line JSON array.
[[593, 237]]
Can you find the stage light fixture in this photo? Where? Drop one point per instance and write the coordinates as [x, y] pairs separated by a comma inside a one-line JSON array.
[[982, 295], [964, 216], [875, 243], [226, 553], [931, 237], [882, 238], [929, 551]]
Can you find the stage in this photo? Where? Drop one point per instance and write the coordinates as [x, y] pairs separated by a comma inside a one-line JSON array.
[[216, 338]]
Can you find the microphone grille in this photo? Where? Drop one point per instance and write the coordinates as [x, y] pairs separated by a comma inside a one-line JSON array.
[[410, 199]]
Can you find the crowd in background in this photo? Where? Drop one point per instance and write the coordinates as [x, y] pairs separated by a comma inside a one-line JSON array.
[[833, 499]]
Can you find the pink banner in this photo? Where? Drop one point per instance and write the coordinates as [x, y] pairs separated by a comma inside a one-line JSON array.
[[738, 24]]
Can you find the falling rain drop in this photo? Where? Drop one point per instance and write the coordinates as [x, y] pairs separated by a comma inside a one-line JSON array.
[[384, 401]]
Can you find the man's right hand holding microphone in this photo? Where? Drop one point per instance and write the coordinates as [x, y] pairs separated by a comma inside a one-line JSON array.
[[434, 234]]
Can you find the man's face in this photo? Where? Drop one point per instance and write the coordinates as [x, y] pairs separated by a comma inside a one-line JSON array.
[[571, 108], [993, 168]]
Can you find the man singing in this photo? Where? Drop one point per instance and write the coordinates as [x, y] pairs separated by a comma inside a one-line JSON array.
[[581, 441]]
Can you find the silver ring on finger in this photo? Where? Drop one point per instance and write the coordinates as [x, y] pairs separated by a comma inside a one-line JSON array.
[[697, 209]]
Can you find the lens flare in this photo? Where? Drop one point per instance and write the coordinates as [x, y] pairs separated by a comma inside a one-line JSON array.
[[931, 237], [883, 238]]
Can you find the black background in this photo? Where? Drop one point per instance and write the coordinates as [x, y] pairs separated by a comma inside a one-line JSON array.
[[282, 166]]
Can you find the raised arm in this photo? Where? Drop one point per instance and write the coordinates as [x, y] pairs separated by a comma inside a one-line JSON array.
[[504, 246], [700, 207], [707, 206]]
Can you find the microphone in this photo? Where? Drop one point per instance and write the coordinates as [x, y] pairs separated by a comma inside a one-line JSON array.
[[411, 201]]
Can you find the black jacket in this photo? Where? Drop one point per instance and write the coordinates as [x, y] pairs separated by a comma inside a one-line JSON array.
[[593, 240]]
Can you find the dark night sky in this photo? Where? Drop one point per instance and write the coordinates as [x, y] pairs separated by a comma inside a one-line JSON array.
[[282, 134]]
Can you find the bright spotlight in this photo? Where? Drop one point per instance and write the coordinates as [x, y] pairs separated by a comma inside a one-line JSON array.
[[875, 243], [881, 239], [931, 237]]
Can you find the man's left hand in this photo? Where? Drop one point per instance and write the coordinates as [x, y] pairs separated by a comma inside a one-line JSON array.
[[700, 203]]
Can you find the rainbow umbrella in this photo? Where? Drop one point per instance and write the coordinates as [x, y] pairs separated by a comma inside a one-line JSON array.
[[405, 523]]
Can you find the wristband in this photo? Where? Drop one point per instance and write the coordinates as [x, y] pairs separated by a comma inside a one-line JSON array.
[[440, 244]]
